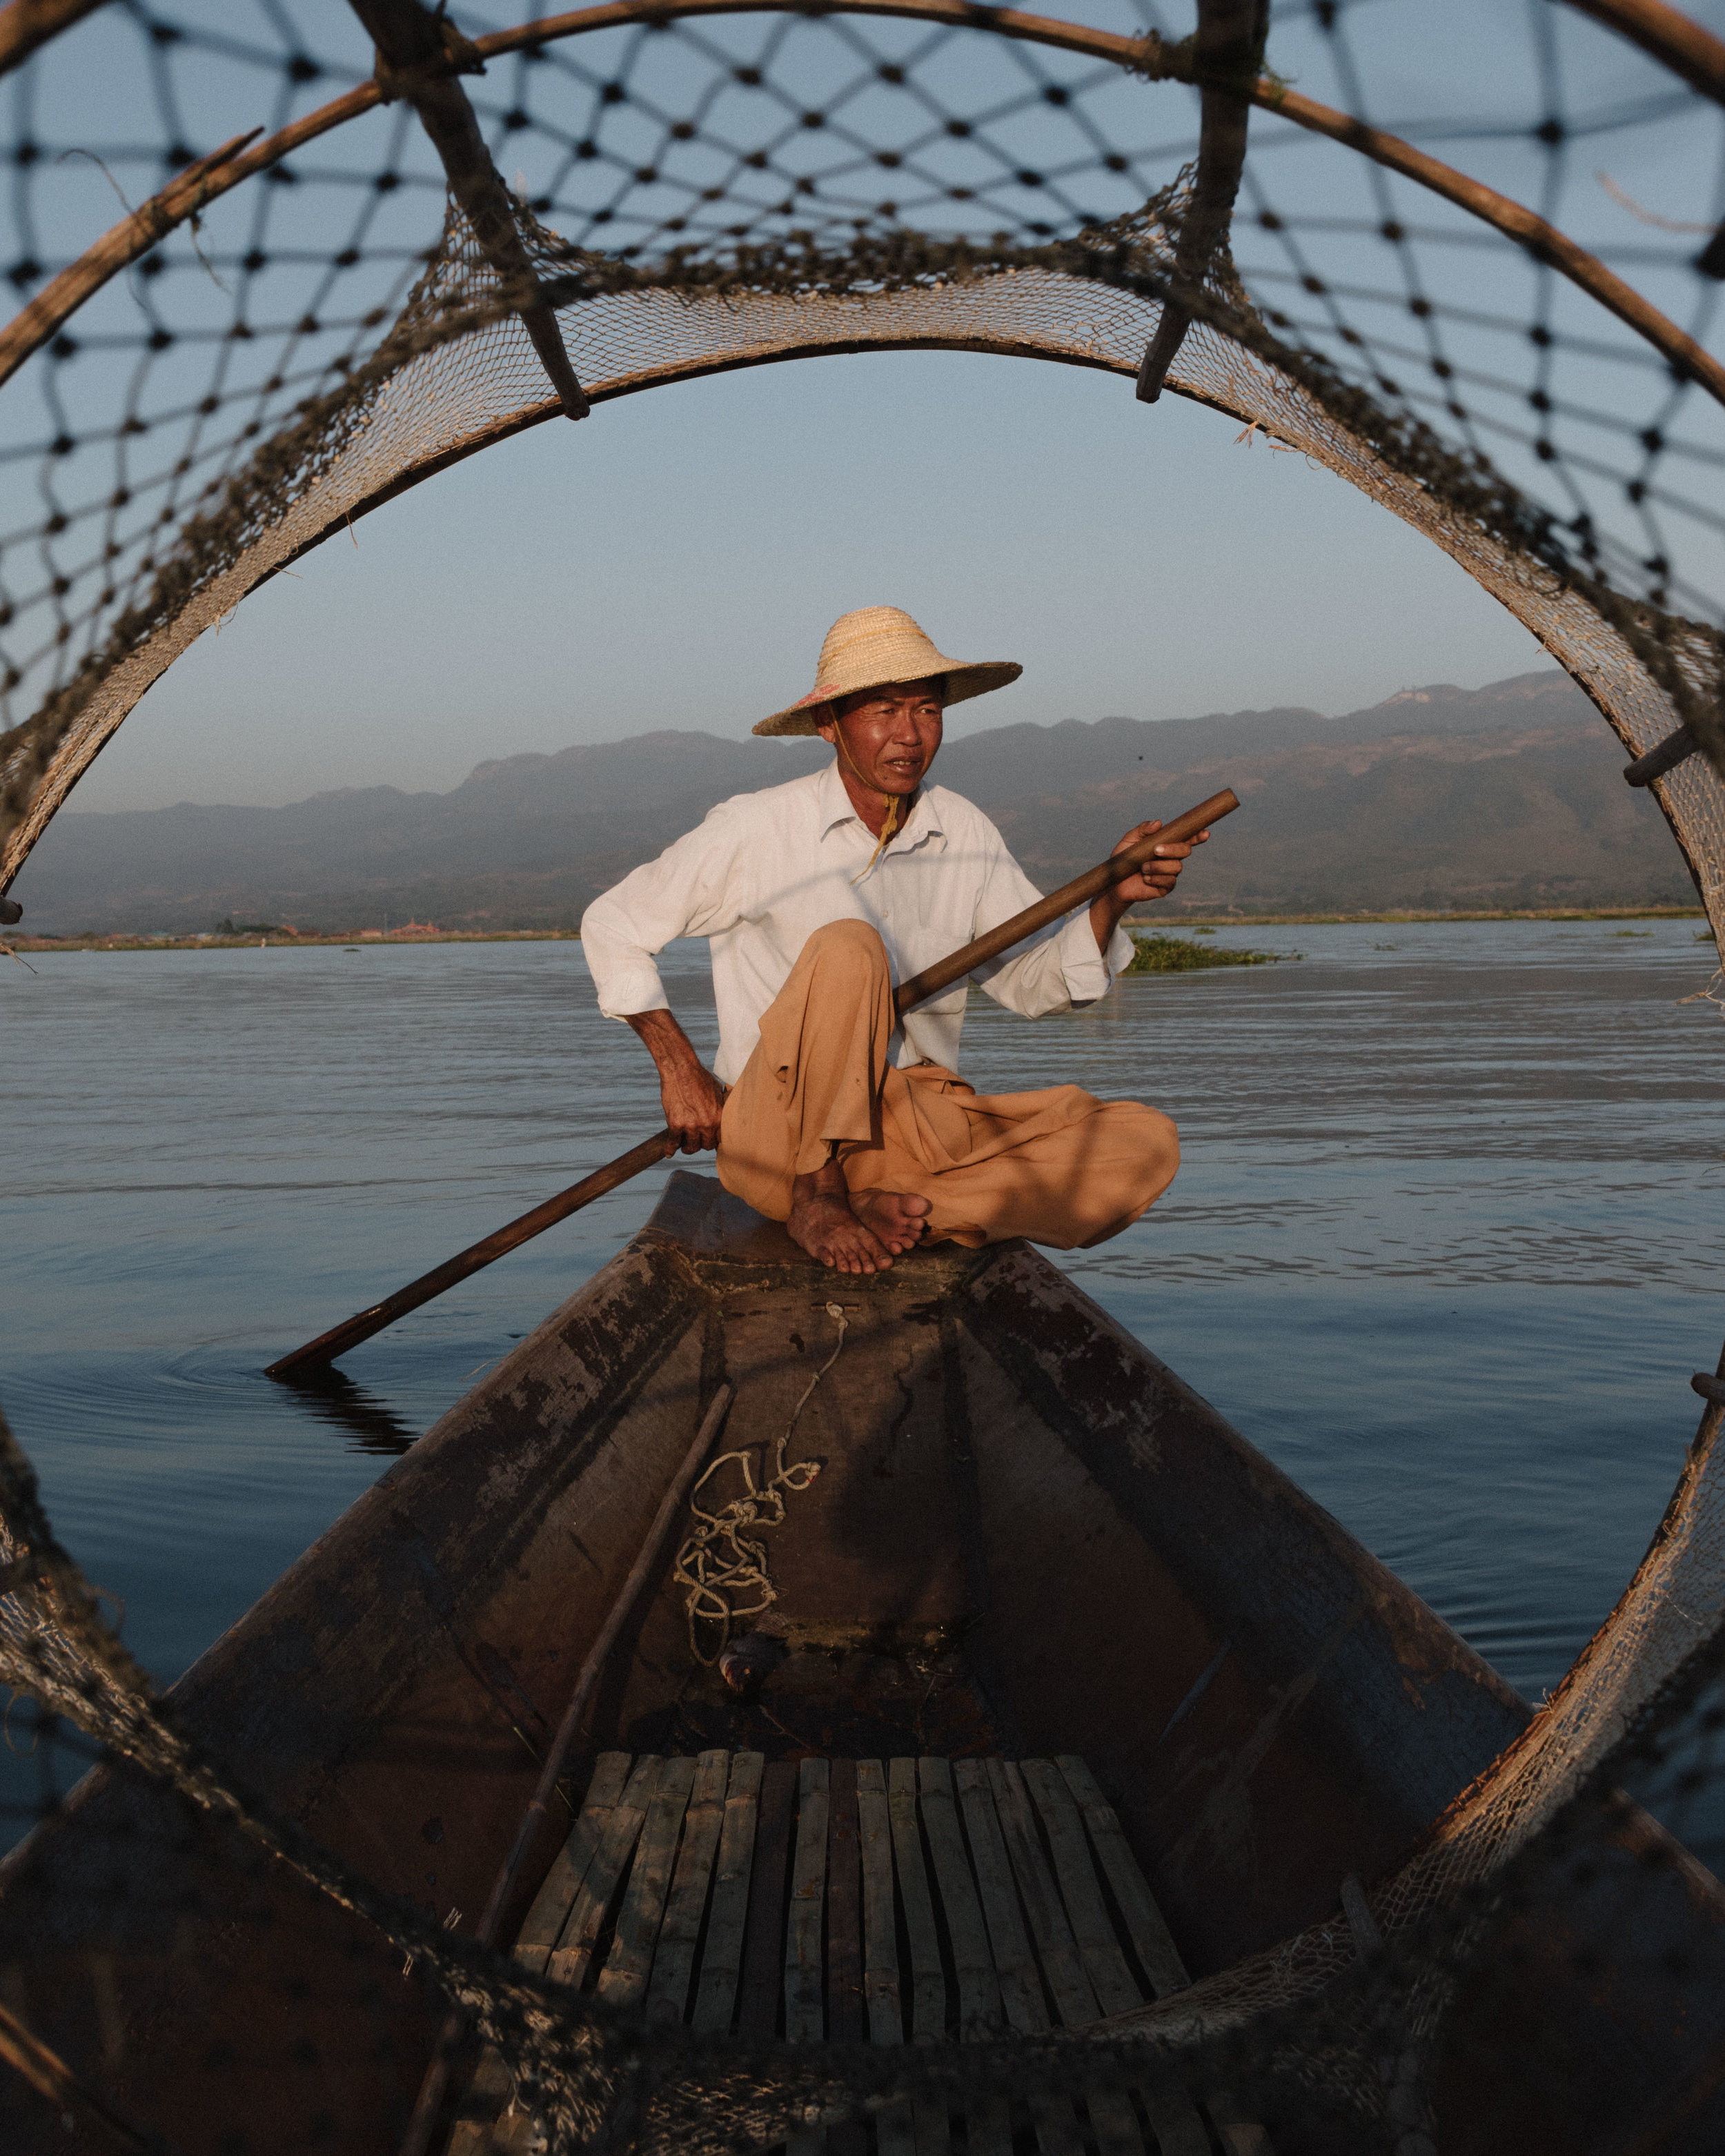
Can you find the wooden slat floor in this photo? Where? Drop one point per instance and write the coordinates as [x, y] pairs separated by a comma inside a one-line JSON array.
[[845, 1900]]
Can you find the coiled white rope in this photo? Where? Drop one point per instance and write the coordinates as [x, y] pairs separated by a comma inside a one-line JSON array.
[[720, 1560]]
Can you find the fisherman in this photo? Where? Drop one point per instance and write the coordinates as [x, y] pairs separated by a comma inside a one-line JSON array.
[[829, 1113]]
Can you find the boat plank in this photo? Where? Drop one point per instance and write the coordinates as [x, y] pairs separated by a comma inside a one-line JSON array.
[[674, 1960], [881, 1982], [1180, 2130], [624, 1979], [894, 2132], [721, 1960], [1056, 1948], [927, 2022], [988, 2120], [1020, 1988], [1152, 1942], [846, 2015], [846, 2011], [805, 1969], [979, 1989], [1112, 1980], [1021, 1994], [763, 1941], [1178, 2127], [931, 2118], [1111, 2112], [569, 1959], [556, 1897], [804, 2022], [493, 2085]]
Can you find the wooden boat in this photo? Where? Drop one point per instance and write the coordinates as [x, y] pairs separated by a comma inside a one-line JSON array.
[[1029, 1542]]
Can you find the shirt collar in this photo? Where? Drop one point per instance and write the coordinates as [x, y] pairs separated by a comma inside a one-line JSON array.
[[834, 807]]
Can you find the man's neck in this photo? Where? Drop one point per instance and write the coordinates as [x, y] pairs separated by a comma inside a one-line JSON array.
[[870, 804]]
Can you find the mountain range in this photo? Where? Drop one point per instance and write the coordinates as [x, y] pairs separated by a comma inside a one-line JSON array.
[[1508, 796]]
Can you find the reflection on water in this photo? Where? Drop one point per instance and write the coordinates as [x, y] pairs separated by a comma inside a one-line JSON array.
[[369, 1423], [1443, 1243]]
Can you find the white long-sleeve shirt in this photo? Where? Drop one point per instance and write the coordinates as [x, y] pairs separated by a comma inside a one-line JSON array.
[[764, 870]]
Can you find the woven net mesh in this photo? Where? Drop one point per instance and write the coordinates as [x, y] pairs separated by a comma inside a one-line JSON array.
[[270, 360]]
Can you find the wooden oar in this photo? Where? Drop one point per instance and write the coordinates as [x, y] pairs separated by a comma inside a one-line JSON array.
[[318, 1354]]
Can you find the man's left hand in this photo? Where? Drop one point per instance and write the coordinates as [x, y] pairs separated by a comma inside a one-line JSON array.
[[1160, 873], [1155, 879]]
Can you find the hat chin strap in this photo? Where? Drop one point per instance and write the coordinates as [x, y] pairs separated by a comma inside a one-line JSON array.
[[889, 802]]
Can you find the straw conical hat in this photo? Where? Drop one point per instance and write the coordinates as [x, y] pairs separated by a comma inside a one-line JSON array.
[[872, 648]]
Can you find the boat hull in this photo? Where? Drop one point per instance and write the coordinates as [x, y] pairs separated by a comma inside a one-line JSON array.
[[1028, 1536]]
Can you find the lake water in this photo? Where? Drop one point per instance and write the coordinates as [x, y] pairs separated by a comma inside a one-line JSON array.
[[1445, 1243]]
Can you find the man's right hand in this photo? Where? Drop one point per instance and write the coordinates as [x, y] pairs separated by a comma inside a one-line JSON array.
[[693, 1099]]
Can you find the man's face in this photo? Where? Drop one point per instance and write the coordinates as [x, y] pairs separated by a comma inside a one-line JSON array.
[[892, 735]]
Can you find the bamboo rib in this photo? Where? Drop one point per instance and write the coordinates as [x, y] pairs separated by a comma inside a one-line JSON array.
[[1229, 41], [419, 57], [1543, 240], [1667, 35], [1700, 56], [25, 25]]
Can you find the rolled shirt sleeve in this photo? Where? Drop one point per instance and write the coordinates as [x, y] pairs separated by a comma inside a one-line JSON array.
[[693, 888], [1090, 973], [1062, 969]]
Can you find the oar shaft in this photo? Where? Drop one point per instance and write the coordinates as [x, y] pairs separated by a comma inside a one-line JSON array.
[[316, 1354], [1079, 892]]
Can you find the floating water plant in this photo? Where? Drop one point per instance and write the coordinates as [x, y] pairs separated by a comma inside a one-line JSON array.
[[1178, 954]]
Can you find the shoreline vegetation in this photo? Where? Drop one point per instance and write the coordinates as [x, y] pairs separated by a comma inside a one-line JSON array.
[[1154, 928]]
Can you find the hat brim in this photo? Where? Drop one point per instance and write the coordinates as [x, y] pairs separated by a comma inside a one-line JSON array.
[[809, 717]]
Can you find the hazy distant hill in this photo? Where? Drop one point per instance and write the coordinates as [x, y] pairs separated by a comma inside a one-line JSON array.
[[1504, 796]]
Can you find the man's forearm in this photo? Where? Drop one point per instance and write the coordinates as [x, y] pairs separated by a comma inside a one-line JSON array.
[[670, 1048], [693, 1099], [1107, 912]]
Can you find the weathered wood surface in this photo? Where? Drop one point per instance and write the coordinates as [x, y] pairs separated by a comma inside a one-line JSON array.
[[722, 1964], [573, 1951], [556, 1897], [927, 2023], [804, 1960], [630, 1964], [764, 1950], [927, 1994], [493, 2083], [973, 1961], [880, 1981], [847, 2020], [895, 2130], [1152, 1942], [1104, 1963], [674, 1958]]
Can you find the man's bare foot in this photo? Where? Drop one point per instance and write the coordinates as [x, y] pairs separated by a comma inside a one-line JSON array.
[[852, 1233], [896, 1218]]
